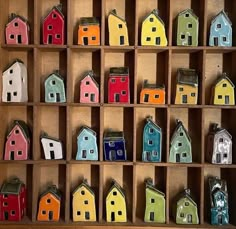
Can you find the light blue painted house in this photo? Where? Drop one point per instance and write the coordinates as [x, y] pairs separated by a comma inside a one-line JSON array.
[[221, 30], [152, 141], [87, 145], [54, 89]]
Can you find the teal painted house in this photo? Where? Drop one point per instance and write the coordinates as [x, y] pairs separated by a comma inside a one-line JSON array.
[[152, 141], [87, 145], [180, 145], [54, 89]]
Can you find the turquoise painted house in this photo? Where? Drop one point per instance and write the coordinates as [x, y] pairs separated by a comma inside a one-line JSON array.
[[152, 141], [221, 30], [87, 145], [54, 89]]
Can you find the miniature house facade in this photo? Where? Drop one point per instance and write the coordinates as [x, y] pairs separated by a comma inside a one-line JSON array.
[[186, 209], [89, 31], [223, 91], [17, 144], [12, 200], [87, 145], [118, 85], [114, 146], [187, 28], [83, 203], [54, 27], [49, 205], [153, 30], [219, 147], [186, 87], [89, 89], [52, 147], [14, 81], [54, 89], [152, 141], [180, 145], [116, 204], [152, 94], [221, 30], [17, 30], [155, 204], [118, 31]]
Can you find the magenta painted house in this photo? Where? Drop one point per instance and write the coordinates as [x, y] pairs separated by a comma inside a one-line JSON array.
[[18, 142], [89, 89], [17, 30]]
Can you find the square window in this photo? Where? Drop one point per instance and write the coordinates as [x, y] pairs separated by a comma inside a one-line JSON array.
[[123, 79], [152, 201], [154, 29], [19, 153], [114, 193], [120, 26], [92, 151], [179, 144], [43, 212], [148, 39], [181, 215], [87, 82], [120, 152], [78, 213], [48, 201], [184, 154], [151, 19], [5, 196], [13, 143], [15, 93], [112, 202], [58, 36], [17, 132], [83, 192], [13, 212], [54, 16], [181, 134], [155, 153], [186, 15], [157, 96], [111, 144], [186, 203], [193, 94], [51, 95], [93, 38], [182, 36], [181, 89], [113, 80], [16, 24], [5, 204], [53, 82], [218, 26], [50, 27], [219, 96], [85, 138], [123, 92], [10, 82], [151, 130], [51, 144], [85, 29], [225, 155], [150, 142], [119, 212], [86, 94], [86, 202], [224, 85], [11, 71], [224, 39], [190, 26], [221, 140], [12, 36]]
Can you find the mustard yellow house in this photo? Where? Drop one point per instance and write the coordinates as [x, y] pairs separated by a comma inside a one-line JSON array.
[[116, 204], [223, 91], [118, 31], [83, 203], [153, 30]]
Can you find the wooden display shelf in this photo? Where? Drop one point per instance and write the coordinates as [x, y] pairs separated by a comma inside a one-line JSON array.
[[157, 64]]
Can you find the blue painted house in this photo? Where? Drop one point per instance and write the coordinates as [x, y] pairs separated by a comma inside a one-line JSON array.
[[114, 146], [152, 141], [221, 30], [87, 145], [54, 89]]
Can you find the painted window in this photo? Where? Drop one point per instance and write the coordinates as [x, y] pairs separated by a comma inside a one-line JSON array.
[[221, 140], [179, 144], [148, 39], [11, 71], [51, 95], [54, 16], [219, 96], [113, 80], [181, 89], [83, 192], [119, 152], [190, 25], [13, 143], [218, 26], [119, 212], [111, 144], [152, 200], [181, 134], [53, 82], [187, 15], [224, 39], [114, 193], [17, 131], [155, 153], [78, 212], [151, 130], [48, 201], [16, 24], [225, 155], [50, 27], [5, 204], [43, 212], [85, 29], [51, 144], [86, 202], [193, 94], [182, 215], [184, 154], [15, 93], [151, 19], [86, 138], [19, 153], [12, 36], [182, 36], [91, 151], [86, 94], [58, 36], [123, 79], [224, 85], [10, 82], [13, 212], [157, 96], [112, 202], [186, 203], [120, 26], [150, 142], [154, 29], [123, 92], [5, 196]]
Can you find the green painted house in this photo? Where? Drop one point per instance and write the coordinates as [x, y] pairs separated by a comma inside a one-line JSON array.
[[187, 28], [155, 204]]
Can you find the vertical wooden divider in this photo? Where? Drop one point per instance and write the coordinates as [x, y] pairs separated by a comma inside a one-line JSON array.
[[167, 196], [205, 42], [103, 23], [201, 210], [35, 182], [101, 201], [68, 196], [69, 31], [170, 32]]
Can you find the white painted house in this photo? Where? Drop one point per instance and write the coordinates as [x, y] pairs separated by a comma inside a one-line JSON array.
[[14, 81]]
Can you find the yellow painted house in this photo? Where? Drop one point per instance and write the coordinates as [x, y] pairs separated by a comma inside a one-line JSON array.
[[83, 203], [153, 30], [223, 91], [118, 31], [116, 204]]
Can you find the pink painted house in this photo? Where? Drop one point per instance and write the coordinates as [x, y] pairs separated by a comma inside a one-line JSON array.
[[17, 30], [89, 89], [18, 142]]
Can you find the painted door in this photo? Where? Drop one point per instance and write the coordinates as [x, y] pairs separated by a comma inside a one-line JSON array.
[[19, 39], [6, 215], [177, 157], [151, 216], [216, 41], [148, 156], [8, 97], [50, 215], [158, 40], [84, 153], [189, 218], [220, 219], [146, 98], [112, 155], [52, 153], [12, 155], [92, 97], [58, 97], [190, 40], [49, 39], [218, 158], [226, 99], [112, 216], [117, 98], [184, 98], [85, 40], [122, 40], [87, 215]]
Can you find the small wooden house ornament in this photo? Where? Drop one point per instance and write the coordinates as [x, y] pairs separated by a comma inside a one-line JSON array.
[[87, 145], [186, 87], [83, 203], [219, 201], [180, 145], [52, 147], [54, 27], [89, 31], [17, 30], [153, 30], [49, 204], [116, 204], [118, 31], [17, 144], [54, 89], [118, 85], [187, 28], [185, 210], [221, 30], [14, 81], [152, 141], [114, 146], [89, 89], [152, 94], [223, 91], [155, 204], [219, 145], [12, 200]]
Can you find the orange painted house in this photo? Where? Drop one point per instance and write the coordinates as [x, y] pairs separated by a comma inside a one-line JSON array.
[[49, 205], [89, 31], [152, 94]]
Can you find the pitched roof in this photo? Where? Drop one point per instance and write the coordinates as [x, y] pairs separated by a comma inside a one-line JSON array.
[[113, 135], [85, 184], [14, 16], [22, 125], [119, 71], [11, 64], [186, 194], [223, 13], [149, 120], [190, 11], [91, 75], [56, 73], [113, 12], [155, 13], [114, 184], [88, 21], [149, 184], [180, 124], [12, 186], [152, 86], [45, 136], [53, 190], [187, 76], [58, 8], [87, 129], [224, 77], [215, 129]]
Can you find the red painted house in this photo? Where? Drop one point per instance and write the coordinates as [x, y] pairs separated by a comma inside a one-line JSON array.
[[12, 200], [118, 85], [17, 30], [18, 142], [54, 27]]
